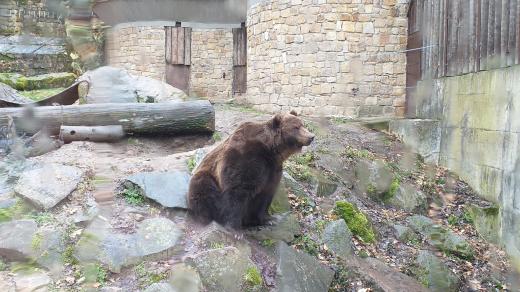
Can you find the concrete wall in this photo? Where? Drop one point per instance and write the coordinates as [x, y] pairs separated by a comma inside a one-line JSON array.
[[479, 118], [327, 57], [140, 49]]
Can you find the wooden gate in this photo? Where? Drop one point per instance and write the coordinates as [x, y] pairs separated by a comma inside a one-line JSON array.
[[413, 58], [239, 60], [178, 56]]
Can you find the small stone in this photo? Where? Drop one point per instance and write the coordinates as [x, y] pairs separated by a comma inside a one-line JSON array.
[[167, 188], [297, 271], [292, 185], [280, 203], [338, 238], [45, 187]]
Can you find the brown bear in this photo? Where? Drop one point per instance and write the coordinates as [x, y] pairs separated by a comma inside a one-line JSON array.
[[235, 183]]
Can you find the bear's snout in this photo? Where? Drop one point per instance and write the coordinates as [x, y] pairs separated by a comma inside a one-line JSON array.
[[309, 139]]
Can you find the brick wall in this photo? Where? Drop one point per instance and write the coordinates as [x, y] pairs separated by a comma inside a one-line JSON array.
[[211, 63], [33, 16], [138, 49], [328, 57]]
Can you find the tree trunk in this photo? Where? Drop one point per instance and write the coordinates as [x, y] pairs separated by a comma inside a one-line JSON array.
[[135, 118], [95, 134]]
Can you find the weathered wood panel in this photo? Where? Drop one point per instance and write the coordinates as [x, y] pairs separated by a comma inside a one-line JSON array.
[[239, 46], [178, 45], [464, 36]]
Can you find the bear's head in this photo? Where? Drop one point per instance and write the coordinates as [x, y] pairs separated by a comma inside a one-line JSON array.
[[292, 133]]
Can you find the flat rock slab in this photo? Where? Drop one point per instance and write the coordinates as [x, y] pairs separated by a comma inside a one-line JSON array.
[[184, 278], [169, 189], [32, 282], [160, 287], [297, 271], [154, 238], [45, 187], [384, 277]]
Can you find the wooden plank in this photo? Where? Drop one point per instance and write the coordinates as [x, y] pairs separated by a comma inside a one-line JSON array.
[[187, 46], [517, 58], [168, 44], [477, 42], [511, 42], [466, 35], [174, 46], [491, 35], [443, 25], [472, 35], [461, 48], [504, 32], [452, 38], [423, 7], [435, 38], [497, 42], [484, 14], [239, 79], [180, 45]]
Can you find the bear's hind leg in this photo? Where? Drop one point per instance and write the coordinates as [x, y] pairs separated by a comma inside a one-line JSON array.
[[203, 197]]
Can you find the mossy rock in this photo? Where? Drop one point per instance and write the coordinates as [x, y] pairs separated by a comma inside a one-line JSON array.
[[405, 196], [357, 222], [280, 203], [442, 238], [376, 179], [434, 274], [486, 220], [45, 81]]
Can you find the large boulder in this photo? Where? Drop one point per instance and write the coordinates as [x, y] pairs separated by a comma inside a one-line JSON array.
[[115, 85], [374, 178], [48, 185], [409, 199], [22, 240], [434, 274], [338, 238], [222, 269], [299, 272], [440, 237], [184, 278], [167, 188], [155, 238]]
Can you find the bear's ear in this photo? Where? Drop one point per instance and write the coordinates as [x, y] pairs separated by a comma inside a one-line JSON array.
[[294, 113], [276, 121]]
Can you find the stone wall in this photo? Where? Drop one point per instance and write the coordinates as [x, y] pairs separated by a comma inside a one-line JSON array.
[[328, 57], [137, 48], [32, 16], [479, 137], [140, 49], [211, 63]]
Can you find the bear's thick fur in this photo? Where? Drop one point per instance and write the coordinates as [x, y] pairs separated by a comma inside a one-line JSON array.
[[235, 183]]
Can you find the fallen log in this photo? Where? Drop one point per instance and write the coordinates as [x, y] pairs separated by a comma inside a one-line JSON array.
[[135, 118], [95, 134]]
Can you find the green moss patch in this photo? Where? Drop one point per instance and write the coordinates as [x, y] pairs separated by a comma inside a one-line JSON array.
[[252, 278], [356, 221], [40, 94]]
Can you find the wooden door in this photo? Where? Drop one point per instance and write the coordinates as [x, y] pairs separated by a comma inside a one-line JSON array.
[[240, 60], [178, 56], [413, 58]]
